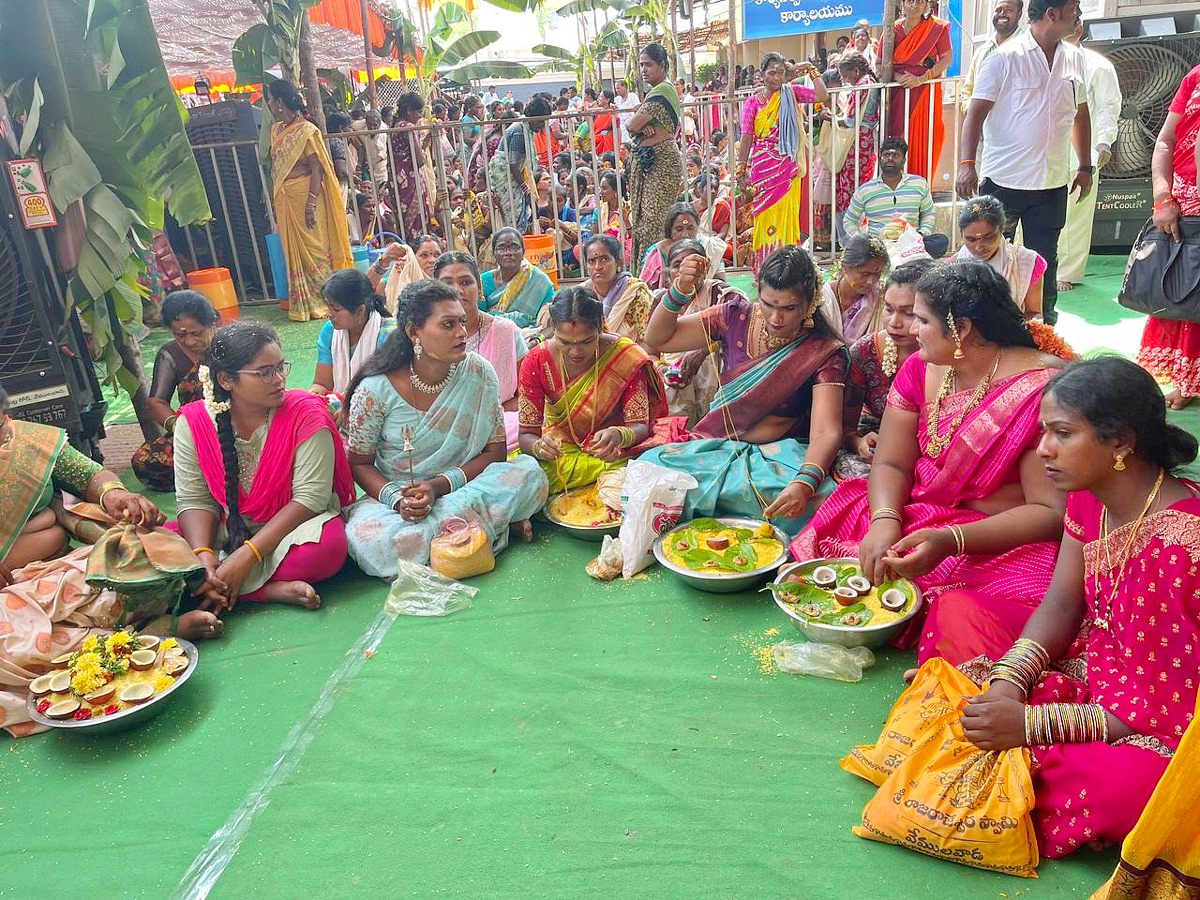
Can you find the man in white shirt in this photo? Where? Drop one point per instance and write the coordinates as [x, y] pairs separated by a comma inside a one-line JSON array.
[[490, 96], [1006, 22], [1104, 104], [627, 102], [1029, 104]]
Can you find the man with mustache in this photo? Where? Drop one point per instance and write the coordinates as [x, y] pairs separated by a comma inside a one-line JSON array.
[[1006, 22], [1029, 105]]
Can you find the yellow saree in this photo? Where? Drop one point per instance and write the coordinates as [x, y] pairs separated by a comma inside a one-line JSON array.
[[311, 254], [1160, 859]]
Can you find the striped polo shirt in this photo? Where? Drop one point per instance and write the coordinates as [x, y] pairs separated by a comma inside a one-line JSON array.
[[875, 204]]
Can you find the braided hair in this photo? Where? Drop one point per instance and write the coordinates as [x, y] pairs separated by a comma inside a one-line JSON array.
[[792, 269], [414, 307], [970, 289], [233, 347]]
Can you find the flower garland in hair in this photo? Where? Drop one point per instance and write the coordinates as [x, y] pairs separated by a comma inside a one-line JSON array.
[[214, 406]]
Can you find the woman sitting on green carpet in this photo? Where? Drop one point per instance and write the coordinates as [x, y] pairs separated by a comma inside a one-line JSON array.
[[426, 440], [765, 446], [587, 398]]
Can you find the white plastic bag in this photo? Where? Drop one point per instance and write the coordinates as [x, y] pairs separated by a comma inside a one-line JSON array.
[[653, 502], [420, 591], [822, 660], [607, 564], [907, 247]]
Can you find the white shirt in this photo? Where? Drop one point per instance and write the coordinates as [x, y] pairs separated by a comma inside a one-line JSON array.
[[628, 106], [1027, 134], [977, 59], [1103, 98]]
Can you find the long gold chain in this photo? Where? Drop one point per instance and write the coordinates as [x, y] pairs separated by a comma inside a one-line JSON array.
[[938, 443], [1102, 616]]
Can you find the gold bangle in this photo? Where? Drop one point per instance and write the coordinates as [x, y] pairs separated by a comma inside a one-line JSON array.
[[105, 488], [199, 550], [885, 509], [253, 549], [960, 540]]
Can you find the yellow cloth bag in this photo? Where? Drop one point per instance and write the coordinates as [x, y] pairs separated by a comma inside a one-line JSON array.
[[948, 799], [931, 701], [461, 549]]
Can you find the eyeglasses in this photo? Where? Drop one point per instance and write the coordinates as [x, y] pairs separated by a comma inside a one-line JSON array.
[[270, 373]]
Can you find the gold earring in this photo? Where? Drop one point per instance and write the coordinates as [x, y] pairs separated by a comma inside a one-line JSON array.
[[953, 326], [417, 348], [1119, 462]]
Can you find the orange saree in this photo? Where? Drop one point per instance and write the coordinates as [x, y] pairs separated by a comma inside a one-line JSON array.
[[916, 52]]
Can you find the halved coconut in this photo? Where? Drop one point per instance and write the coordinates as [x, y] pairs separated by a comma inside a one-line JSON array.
[[893, 599], [173, 665], [101, 695], [40, 685], [140, 660], [136, 693], [63, 709], [858, 584], [845, 596], [147, 641], [717, 543], [61, 661], [824, 576], [60, 681]]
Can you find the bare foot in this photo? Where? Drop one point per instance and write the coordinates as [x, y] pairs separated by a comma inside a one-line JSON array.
[[199, 625], [296, 593], [909, 675], [1065, 286], [1176, 400], [522, 531]]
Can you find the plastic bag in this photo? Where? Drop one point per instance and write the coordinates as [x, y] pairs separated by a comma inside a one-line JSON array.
[[652, 502], [607, 565], [420, 591], [931, 701], [909, 245], [943, 796], [609, 487], [461, 549], [823, 660]]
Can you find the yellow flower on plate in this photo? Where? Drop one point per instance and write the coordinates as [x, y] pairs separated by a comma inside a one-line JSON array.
[[162, 682], [90, 643], [168, 643], [118, 639], [85, 682]]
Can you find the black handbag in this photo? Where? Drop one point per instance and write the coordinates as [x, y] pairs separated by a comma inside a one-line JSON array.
[[1162, 277]]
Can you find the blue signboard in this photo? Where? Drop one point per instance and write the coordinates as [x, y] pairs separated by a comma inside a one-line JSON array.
[[775, 18]]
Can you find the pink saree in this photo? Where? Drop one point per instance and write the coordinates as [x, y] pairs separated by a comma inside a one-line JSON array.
[[983, 456], [1142, 669], [299, 417]]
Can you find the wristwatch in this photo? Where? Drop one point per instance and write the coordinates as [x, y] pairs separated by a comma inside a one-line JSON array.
[[1091, 170]]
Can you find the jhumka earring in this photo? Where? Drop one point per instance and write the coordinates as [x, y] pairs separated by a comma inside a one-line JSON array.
[[1119, 462], [417, 351], [953, 326]]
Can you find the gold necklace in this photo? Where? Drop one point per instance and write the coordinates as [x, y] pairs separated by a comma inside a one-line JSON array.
[[764, 337], [1104, 615], [938, 443]]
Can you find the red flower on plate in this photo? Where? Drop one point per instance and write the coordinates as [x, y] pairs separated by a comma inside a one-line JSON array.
[[111, 708], [82, 713], [43, 706]]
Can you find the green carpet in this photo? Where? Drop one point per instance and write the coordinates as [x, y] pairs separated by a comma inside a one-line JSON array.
[[561, 738]]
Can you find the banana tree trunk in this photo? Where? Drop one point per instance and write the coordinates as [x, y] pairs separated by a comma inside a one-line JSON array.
[[131, 357], [308, 73]]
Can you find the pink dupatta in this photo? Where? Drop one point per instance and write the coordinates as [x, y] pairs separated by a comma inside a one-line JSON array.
[[299, 417]]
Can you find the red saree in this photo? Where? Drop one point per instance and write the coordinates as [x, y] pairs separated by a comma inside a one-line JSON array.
[[298, 418], [983, 456], [1141, 669], [909, 108], [625, 388]]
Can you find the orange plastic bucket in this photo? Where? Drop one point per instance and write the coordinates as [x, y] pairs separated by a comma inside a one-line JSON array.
[[217, 286], [539, 250]]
